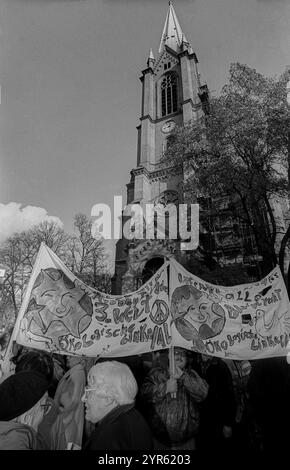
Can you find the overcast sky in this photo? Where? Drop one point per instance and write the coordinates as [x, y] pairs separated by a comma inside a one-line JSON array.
[[71, 95]]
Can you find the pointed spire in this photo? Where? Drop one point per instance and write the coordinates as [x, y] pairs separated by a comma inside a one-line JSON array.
[[172, 35], [184, 43], [190, 50], [151, 59]]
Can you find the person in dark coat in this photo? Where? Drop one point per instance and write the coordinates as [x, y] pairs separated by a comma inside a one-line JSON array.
[[110, 403], [269, 391], [23, 401], [218, 411], [173, 403]]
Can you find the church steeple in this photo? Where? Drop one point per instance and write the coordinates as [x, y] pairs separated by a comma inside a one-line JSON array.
[[172, 35], [171, 96]]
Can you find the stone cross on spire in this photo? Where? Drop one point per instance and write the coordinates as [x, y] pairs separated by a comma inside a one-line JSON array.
[[172, 35]]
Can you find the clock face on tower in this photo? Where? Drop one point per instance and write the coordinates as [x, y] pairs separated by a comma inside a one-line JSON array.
[[168, 126]]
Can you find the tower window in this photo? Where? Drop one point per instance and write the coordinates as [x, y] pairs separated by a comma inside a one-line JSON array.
[[169, 94]]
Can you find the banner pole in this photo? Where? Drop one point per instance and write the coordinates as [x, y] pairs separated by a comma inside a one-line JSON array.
[[171, 349], [5, 363], [171, 361]]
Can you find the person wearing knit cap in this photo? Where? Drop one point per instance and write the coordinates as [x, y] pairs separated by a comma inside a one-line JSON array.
[[43, 363], [22, 406]]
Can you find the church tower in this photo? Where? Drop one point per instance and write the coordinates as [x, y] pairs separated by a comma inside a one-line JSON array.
[[172, 95]]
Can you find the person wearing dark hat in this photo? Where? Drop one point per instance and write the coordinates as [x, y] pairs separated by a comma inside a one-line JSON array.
[[22, 407], [42, 362]]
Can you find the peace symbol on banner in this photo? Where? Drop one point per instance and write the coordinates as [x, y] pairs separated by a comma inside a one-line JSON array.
[[159, 312]]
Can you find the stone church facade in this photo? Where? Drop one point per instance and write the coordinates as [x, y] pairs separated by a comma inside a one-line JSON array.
[[172, 95]]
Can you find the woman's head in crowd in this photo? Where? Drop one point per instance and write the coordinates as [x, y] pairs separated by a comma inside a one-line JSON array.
[[180, 357], [110, 384]]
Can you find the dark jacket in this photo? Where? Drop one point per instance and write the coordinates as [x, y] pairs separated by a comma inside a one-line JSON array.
[[17, 436], [219, 407], [173, 420], [124, 428], [269, 391]]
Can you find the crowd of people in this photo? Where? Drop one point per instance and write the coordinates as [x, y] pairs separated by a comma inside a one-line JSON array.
[[55, 402]]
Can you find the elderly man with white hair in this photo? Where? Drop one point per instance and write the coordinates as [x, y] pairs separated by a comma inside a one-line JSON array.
[[110, 403]]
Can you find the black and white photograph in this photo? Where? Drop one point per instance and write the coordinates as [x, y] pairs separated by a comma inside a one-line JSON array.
[[145, 229]]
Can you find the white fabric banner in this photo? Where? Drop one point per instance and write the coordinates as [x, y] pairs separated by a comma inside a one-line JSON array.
[[248, 321], [61, 314]]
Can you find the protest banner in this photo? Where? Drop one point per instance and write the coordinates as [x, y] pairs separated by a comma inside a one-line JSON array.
[[62, 314], [248, 321]]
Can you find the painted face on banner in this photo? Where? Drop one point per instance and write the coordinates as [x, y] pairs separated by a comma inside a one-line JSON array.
[[196, 317], [208, 318], [57, 306]]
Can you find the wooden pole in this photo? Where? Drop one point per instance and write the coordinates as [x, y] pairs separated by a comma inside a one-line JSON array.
[[172, 367], [171, 349]]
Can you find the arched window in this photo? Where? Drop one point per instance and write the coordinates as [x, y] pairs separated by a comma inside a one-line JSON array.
[[151, 267], [169, 94]]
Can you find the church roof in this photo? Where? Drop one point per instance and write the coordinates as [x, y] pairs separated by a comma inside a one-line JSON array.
[[172, 35]]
